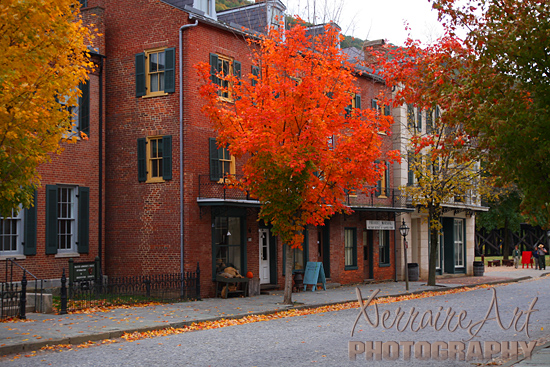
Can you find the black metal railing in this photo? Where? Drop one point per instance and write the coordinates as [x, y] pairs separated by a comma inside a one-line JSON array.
[[114, 291], [377, 197], [10, 297], [370, 197], [13, 293], [221, 189]]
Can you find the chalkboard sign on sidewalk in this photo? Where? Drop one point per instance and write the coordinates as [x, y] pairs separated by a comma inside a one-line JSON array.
[[315, 273]]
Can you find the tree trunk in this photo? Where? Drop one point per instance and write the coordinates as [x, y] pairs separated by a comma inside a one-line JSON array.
[[287, 299], [434, 234], [506, 244]]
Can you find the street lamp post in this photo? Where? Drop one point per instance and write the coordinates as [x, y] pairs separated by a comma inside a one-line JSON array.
[[404, 229]]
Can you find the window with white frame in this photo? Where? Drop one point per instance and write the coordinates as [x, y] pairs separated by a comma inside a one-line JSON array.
[[459, 242], [276, 17], [207, 6], [11, 234], [350, 248], [384, 247], [66, 219]]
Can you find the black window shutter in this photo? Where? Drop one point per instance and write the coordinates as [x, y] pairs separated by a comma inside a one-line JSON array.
[[256, 73], [419, 122], [83, 220], [167, 157], [410, 115], [387, 183], [214, 69], [169, 70], [378, 184], [84, 108], [142, 162], [51, 219], [140, 75], [215, 169], [358, 101], [237, 73], [410, 173], [237, 68], [29, 247], [387, 111]]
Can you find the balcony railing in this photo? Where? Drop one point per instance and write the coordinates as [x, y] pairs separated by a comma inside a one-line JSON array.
[[372, 197], [386, 198], [220, 189]]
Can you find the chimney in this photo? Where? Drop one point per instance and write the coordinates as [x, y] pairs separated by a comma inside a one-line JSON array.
[[369, 47]]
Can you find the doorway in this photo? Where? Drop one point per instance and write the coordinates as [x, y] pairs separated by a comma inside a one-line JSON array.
[[265, 247], [368, 254], [323, 247]]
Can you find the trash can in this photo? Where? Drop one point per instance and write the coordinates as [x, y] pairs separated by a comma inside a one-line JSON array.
[[413, 272], [479, 268]]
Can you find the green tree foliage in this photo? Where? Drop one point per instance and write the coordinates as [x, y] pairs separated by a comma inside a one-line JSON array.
[[502, 92], [350, 41], [504, 213], [222, 5], [43, 58]]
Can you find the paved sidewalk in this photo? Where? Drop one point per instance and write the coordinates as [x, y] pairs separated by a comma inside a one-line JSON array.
[[46, 329]]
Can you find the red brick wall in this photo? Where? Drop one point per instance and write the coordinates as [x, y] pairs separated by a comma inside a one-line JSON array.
[[143, 232], [77, 165], [143, 219]]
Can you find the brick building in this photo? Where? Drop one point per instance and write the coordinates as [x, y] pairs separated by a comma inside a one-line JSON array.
[[67, 219], [158, 169]]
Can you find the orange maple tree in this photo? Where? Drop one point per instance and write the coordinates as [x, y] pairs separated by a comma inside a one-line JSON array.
[[289, 123]]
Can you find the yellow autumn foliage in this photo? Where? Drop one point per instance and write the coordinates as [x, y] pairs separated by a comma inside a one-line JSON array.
[[43, 58]]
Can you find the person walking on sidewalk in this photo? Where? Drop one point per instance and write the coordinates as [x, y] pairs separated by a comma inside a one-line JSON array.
[[536, 257], [517, 256], [542, 258]]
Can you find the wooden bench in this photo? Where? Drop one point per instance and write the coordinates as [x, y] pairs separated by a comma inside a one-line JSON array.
[[493, 263], [508, 262], [240, 283]]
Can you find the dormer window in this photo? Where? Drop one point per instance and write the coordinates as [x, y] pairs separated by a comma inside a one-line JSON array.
[[275, 16], [207, 6]]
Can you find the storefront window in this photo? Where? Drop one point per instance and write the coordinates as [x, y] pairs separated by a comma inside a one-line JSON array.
[[384, 245], [228, 243], [459, 242]]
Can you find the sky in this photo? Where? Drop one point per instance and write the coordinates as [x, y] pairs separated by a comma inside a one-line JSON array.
[[375, 19]]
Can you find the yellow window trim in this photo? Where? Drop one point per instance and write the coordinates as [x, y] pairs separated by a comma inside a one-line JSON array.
[[149, 160], [150, 94], [229, 97], [232, 167]]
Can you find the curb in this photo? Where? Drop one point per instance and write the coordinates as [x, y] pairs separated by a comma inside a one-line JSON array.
[[80, 339], [518, 360]]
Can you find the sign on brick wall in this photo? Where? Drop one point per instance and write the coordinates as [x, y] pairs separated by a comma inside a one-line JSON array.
[[380, 225]]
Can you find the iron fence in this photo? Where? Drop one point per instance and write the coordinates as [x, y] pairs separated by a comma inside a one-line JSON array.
[[368, 197], [78, 295], [10, 297], [13, 293]]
